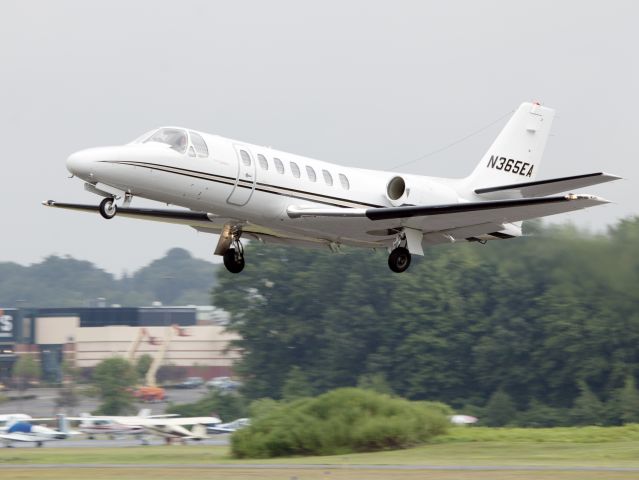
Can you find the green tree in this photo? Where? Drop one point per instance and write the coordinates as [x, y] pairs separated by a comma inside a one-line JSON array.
[[500, 410], [588, 409], [529, 316], [114, 379], [226, 406], [142, 365], [26, 369], [376, 382], [296, 385], [628, 401]]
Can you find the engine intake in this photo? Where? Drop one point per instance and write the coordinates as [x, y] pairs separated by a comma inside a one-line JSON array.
[[396, 191]]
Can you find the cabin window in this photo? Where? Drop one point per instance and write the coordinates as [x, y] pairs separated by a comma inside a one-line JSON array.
[[191, 151], [173, 137], [279, 166], [200, 145], [295, 169], [246, 159], [344, 181], [328, 178], [311, 174], [262, 160]]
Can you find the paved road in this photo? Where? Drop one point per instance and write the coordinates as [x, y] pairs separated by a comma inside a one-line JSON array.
[[45, 403], [289, 466], [116, 443]]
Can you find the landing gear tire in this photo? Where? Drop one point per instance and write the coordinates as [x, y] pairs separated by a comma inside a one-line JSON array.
[[108, 208], [234, 260], [399, 260]]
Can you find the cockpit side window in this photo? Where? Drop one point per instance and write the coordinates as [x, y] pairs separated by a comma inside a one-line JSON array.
[[200, 145], [174, 137]]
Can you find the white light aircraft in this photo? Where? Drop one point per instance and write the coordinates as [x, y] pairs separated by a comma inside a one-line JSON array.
[[167, 426], [240, 190], [174, 428], [229, 427], [23, 431], [112, 426]]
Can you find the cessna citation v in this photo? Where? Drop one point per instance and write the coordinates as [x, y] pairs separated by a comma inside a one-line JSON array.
[[239, 190]]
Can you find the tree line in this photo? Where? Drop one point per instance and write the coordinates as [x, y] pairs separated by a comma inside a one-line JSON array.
[[545, 326], [175, 279]]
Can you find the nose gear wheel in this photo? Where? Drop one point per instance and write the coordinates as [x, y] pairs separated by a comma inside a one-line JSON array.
[[108, 208]]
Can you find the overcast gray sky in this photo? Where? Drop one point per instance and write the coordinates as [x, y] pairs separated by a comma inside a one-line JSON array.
[[361, 83]]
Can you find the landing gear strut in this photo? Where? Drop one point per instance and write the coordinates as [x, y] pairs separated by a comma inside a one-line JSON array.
[[234, 256], [108, 208]]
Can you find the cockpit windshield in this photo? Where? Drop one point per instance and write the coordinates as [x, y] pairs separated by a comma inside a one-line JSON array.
[[174, 137]]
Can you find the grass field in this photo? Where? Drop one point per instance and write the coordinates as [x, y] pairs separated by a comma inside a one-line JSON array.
[[514, 449]]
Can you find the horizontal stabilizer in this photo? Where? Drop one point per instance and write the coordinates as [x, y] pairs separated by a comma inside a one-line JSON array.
[[541, 188]]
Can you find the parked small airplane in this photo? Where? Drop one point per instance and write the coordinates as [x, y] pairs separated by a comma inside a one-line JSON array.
[[14, 417], [175, 428], [229, 427], [167, 426], [239, 190], [25, 431], [114, 425]]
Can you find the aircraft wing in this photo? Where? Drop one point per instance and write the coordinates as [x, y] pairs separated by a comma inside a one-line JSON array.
[[168, 422], [23, 437], [541, 188], [183, 217], [437, 218], [201, 221]]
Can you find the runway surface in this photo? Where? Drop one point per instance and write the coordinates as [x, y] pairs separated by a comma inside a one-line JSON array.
[[289, 466]]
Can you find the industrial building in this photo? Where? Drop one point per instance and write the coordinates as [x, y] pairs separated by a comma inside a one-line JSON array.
[[187, 338]]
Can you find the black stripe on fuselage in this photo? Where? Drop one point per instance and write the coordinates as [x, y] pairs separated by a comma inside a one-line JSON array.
[[262, 187]]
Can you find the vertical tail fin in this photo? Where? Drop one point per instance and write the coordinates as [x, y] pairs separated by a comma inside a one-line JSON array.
[[63, 423], [515, 155]]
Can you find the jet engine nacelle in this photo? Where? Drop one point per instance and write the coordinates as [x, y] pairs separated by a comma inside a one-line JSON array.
[[402, 190], [397, 191]]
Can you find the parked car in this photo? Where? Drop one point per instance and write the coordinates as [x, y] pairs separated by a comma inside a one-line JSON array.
[[225, 384], [191, 382]]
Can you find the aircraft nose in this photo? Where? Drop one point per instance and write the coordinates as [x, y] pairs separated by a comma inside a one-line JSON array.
[[79, 163], [86, 163]]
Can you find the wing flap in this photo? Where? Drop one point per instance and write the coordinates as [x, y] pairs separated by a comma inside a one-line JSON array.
[[541, 188], [440, 218], [445, 217]]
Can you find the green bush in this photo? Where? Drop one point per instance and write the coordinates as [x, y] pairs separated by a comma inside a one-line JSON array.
[[341, 421], [227, 406]]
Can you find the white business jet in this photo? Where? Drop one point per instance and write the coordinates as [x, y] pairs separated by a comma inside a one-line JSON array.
[[240, 190]]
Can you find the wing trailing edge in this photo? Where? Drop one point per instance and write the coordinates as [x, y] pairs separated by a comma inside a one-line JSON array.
[[540, 188], [404, 212]]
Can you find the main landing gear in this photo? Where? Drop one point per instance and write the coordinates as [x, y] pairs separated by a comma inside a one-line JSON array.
[[399, 258], [234, 256]]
